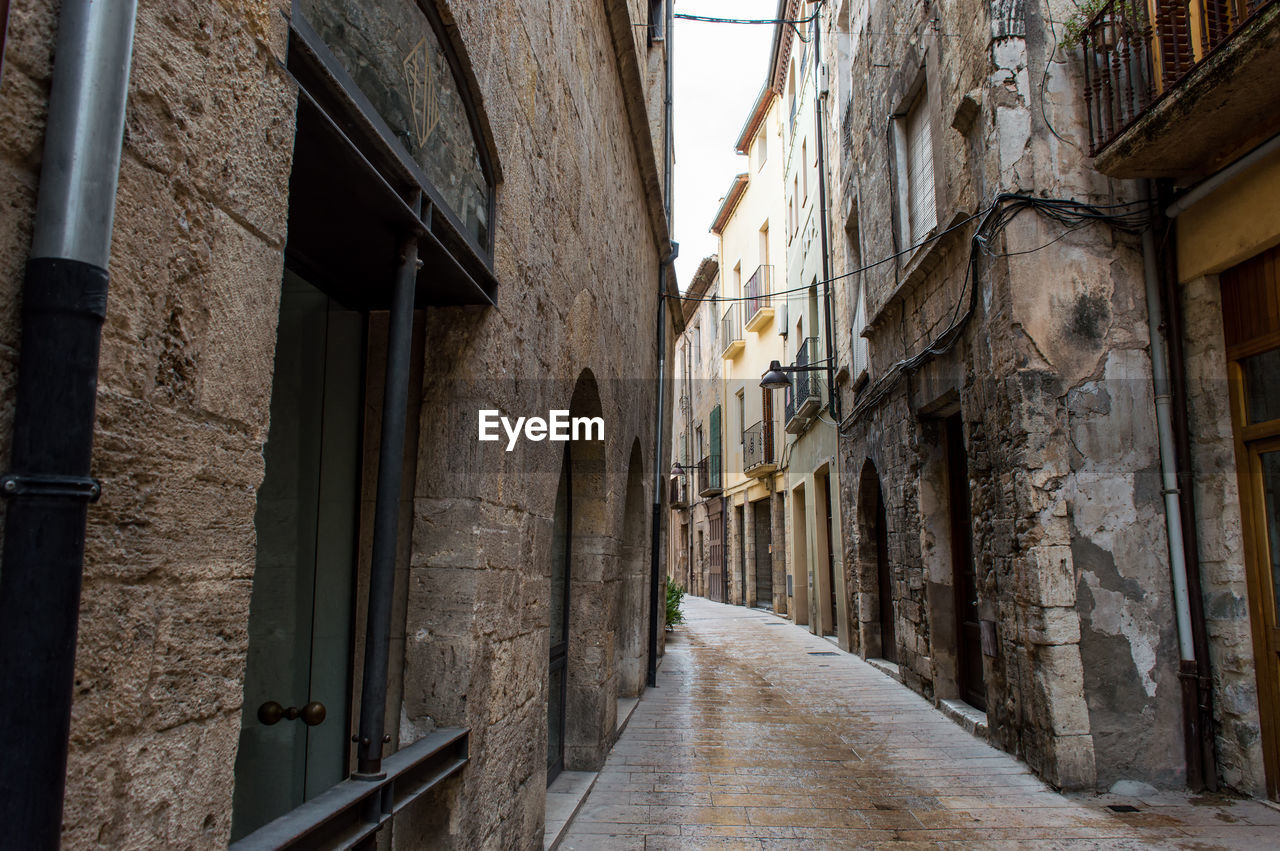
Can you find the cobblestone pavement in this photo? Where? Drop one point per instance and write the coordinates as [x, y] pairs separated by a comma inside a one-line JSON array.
[[753, 741]]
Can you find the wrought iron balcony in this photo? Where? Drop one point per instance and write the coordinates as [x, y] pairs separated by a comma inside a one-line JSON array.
[[678, 492], [757, 450], [759, 300], [709, 478], [1173, 86], [731, 329], [803, 398]]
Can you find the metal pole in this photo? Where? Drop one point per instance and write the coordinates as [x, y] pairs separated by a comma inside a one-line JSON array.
[[49, 488], [386, 516], [655, 543], [1188, 667], [819, 132]]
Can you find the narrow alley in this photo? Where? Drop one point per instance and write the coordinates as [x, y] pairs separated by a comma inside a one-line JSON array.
[[762, 735]]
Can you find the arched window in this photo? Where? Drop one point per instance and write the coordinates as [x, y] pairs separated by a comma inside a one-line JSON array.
[[391, 132]]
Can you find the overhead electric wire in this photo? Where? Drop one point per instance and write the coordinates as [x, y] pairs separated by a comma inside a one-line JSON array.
[[1004, 209], [1099, 208]]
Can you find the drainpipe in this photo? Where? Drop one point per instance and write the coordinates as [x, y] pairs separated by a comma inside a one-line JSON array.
[[818, 97], [1188, 603], [655, 544], [49, 487]]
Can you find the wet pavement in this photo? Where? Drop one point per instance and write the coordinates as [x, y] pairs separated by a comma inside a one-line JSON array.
[[761, 735]]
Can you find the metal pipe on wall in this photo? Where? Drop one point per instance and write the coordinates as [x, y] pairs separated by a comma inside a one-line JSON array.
[[49, 488], [1192, 646], [386, 516], [655, 544]]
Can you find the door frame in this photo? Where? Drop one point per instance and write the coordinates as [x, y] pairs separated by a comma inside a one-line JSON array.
[[1250, 442]]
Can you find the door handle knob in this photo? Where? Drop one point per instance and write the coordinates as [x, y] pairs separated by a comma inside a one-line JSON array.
[[272, 713]]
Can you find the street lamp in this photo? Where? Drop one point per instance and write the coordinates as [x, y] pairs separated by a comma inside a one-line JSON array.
[[776, 376]]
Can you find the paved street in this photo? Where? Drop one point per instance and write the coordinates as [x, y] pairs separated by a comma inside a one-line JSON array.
[[753, 741]]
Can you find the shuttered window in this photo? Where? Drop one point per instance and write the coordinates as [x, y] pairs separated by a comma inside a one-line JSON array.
[[922, 212]]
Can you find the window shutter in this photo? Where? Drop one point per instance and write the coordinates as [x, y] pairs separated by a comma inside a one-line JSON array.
[[922, 209]]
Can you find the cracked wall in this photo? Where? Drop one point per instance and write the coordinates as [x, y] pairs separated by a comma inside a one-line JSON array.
[[1052, 381]]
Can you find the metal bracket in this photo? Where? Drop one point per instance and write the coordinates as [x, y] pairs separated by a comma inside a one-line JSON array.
[[71, 487]]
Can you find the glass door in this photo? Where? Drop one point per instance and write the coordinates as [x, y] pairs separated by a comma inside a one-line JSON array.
[[295, 722]]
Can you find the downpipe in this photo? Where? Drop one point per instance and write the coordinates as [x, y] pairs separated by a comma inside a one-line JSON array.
[[48, 490], [1193, 663], [655, 539]]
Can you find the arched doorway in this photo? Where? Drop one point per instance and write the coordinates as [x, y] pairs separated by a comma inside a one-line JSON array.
[[580, 699], [874, 550], [631, 610]]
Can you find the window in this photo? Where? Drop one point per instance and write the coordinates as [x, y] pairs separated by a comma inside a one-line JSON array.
[[737, 278], [917, 207], [393, 56], [657, 20], [795, 195], [791, 96], [696, 337], [762, 148], [742, 418], [804, 169]]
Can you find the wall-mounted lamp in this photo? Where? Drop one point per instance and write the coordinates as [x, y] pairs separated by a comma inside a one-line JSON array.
[[776, 377]]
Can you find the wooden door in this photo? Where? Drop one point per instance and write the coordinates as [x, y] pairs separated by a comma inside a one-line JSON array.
[[973, 688], [1251, 320], [884, 581]]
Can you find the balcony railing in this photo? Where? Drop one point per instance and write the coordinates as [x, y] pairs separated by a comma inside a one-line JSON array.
[[759, 304], [731, 330], [679, 492], [757, 449], [803, 398], [709, 479], [1130, 60]]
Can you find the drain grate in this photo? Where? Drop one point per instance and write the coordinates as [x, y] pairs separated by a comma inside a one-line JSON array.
[[1122, 808], [774, 623], [823, 653]]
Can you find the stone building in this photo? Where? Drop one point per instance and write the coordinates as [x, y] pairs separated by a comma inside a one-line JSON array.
[[341, 230], [815, 583], [1203, 127], [697, 560], [1009, 502], [748, 226]]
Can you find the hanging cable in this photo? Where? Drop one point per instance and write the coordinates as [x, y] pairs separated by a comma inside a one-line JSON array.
[[1003, 210], [1137, 217]]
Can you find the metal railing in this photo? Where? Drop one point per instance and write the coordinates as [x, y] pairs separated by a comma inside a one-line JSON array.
[[757, 446], [1131, 60], [709, 478], [731, 326], [679, 493], [757, 291], [804, 385]]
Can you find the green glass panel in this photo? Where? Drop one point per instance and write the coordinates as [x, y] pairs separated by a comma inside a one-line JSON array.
[[392, 53], [1271, 509], [1262, 386]]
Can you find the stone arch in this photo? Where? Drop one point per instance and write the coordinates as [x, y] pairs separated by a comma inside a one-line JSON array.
[[590, 706], [874, 568], [633, 593]]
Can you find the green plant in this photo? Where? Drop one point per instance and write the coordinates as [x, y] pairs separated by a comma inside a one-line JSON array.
[[675, 593], [1077, 23]]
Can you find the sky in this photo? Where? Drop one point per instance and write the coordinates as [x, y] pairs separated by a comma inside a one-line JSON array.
[[719, 70]]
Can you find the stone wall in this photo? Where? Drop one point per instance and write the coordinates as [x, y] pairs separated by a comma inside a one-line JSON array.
[[1222, 569], [185, 383], [183, 391], [1052, 381]]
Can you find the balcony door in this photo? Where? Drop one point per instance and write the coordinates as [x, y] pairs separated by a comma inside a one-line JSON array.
[[301, 609], [1251, 315]]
